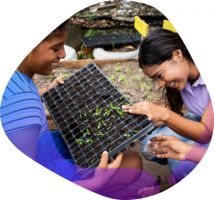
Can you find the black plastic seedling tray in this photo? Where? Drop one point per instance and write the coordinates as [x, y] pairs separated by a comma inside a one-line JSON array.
[[113, 40], [87, 111]]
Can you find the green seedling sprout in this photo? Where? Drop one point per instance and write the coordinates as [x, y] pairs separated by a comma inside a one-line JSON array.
[[113, 107], [90, 32], [80, 141], [90, 56], [137, 78], [117, 68], [91, 21], [99, 125], [113, 45], [117, 109], [107, 112], [112, 78], [127, 70], [113, 117], [100, 134], [83, 115], [122, 78], [103, 123], [120, 112], [127, 135], [89, 141], [145, 87], [86, 132], [98, 111], [110, 150], [108, 128], [92, 160], [135, 131]]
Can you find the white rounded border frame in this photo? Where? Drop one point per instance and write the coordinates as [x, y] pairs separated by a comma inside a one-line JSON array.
[[25, 23]]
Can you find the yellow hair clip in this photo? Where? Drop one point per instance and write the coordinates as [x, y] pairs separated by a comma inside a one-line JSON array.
[[141, 26], [168, 26]]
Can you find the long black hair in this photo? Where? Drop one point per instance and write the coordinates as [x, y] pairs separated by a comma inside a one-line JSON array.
[[156, 48]]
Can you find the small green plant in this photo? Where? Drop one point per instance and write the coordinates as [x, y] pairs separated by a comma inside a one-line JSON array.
[[110, 150], [122, 78], [135, 131], [92, 160], [113, 45], [112, 106], [137, 78], [80, 141], [80, 56], [127, 135], [86, 132], [145, 87], [127, 70], [89, 141], [124, 102], [97, 111], [90, 56], [117, 67], [100, 134], [119, 110], [90, 33], [107, 112], [83, 114], [113, 117], [101, 124], [90, 18], [112, 78]]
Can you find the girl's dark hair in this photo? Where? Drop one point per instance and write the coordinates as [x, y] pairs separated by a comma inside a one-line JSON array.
[[156, 48]]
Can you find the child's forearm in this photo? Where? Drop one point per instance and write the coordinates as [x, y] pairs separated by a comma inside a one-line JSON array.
[[188, 128]]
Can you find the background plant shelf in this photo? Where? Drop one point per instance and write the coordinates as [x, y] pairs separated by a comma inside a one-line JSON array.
[[87, 111]]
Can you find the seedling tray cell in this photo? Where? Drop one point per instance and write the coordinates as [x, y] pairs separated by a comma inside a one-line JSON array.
[[87, 111]]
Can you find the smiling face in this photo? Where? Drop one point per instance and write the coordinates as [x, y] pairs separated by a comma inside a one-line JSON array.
[[42, 58], [168, 74], [172, 73]]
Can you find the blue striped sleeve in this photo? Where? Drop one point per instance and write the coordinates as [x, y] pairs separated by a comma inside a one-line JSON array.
[[20, 111]]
